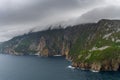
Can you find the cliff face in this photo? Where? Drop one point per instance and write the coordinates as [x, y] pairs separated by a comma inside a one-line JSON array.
[[102, 52], [94, 46], [48, 42]]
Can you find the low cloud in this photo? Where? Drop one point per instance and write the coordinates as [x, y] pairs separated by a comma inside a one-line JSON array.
[[19, 16], [109, 12]]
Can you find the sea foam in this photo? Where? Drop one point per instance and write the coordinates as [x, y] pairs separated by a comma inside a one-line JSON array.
[[71, 67]]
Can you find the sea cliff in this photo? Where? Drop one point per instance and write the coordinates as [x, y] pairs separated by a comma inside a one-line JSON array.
[[92, 46]]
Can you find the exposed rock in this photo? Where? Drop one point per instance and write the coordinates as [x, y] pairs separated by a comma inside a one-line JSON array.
[[105, 66], [44, 52], [41, 47], [96, 66]]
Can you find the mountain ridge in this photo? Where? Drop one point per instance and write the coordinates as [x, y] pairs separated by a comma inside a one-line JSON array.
[[92, 46]]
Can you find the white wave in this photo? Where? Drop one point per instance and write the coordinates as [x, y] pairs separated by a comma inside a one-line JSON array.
[[94, 71], [71, 67], [57, 55]]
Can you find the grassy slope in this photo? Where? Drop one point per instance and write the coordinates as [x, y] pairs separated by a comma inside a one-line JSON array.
[[112, 52]]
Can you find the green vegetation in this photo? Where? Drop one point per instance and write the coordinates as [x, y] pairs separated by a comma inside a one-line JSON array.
[[99, 55], [107, 54]]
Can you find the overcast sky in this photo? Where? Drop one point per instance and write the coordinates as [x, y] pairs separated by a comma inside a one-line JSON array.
[[19, 16]]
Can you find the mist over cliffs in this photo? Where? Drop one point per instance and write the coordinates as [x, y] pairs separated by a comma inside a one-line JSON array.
[[94, 46]]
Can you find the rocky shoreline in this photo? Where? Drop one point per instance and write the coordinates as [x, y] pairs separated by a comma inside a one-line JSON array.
[[92, 46], [113, 65]]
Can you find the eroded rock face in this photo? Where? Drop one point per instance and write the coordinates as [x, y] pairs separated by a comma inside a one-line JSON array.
[[53, 46], [96, 66], [42, 44], [104, 66], [44, 52], [65, 50], [112, 65], [41, 47]]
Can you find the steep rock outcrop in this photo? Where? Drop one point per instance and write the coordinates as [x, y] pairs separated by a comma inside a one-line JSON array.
[[42, 50]]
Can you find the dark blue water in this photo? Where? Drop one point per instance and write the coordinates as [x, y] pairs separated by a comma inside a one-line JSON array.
[[38, 68]]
